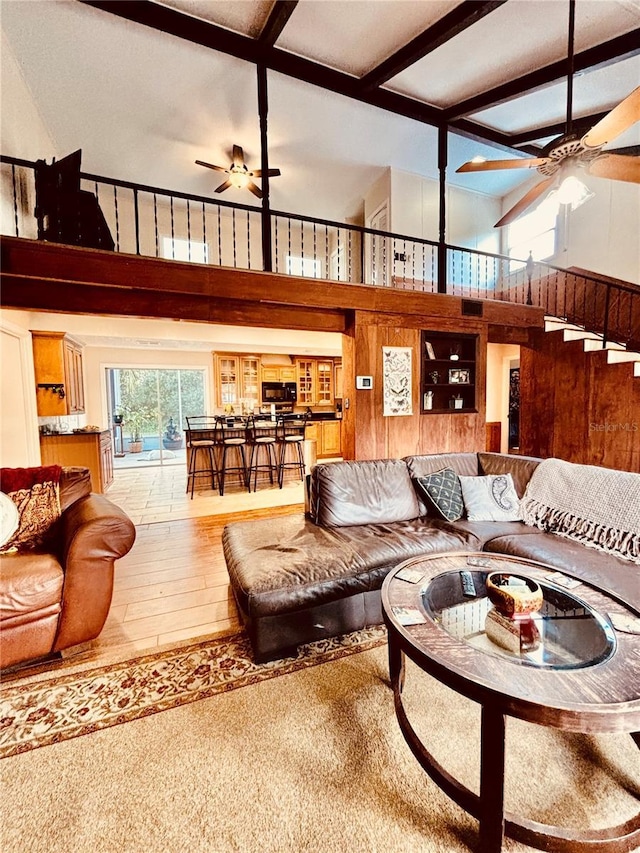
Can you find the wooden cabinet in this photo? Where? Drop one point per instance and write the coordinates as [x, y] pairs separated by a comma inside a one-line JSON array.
[[448, 382], [92, 450], [327, 436], [236, 378], [59, 373], [337, 380], [279, 373], [316, 382]]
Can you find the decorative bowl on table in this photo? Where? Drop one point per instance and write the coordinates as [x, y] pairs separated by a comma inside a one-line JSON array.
[[513, 595]]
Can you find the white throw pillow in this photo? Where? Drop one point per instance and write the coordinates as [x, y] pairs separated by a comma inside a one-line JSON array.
[[491, 498]]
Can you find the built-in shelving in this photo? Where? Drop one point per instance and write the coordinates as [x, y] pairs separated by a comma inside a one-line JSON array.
[[448, 376]]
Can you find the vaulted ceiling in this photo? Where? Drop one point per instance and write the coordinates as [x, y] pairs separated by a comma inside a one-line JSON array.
[[146, 88]]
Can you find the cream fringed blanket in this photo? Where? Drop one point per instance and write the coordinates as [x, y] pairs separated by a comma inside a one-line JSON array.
[[597, 507]]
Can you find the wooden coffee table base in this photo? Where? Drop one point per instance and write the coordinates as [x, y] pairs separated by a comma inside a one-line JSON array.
[[488, 807]]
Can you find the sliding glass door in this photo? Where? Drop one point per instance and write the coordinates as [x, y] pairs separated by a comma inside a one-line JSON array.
[[148, 408]]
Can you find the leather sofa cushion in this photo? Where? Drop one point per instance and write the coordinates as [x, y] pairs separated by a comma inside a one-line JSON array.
[[29, 583], [75, 483], [619, 577], [367, 492], [279, 565], [520, 467], [485, 531]]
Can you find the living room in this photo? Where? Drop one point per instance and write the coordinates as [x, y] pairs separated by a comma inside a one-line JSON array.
[[67, 72]]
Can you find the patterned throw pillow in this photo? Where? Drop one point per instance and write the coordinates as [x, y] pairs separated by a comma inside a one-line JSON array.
[[36, 495], [491, 498], [441, 490]]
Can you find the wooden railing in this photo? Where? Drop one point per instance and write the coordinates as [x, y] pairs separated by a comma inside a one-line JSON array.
[[162, 223]]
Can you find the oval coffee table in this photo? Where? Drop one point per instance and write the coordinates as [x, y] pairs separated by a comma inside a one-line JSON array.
[[579, 674]]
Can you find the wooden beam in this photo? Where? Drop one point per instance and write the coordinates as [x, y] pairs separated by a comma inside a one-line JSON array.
[[452, 24], [64, 297], [277, 21], [173, 22], [600, 56]]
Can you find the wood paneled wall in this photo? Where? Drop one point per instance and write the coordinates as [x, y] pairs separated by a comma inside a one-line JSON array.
[[367, 434], [576, 406]]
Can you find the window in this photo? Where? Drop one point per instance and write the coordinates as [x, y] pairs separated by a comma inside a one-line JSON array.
[[535, 232], [307, 267], [185, 250]]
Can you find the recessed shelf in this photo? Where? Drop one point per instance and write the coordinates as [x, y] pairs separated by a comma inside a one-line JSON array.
[[437, 390]]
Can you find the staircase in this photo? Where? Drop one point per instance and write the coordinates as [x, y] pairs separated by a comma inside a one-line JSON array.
[[593, 342]]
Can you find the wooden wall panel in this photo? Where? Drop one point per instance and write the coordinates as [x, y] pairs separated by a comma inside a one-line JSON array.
[[576, 406]]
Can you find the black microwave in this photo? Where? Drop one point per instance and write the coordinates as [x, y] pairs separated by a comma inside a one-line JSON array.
[[279, 392]]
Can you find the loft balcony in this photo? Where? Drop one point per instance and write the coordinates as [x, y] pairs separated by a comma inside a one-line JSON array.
[[202, 234]]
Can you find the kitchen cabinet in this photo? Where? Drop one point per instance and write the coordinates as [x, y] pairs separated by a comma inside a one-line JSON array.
[[58, 367], [90, 449], [327, 436], [315, 378], [236, 379], [337, 380], [279, 373]]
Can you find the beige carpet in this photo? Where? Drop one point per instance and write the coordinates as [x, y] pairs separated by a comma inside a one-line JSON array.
[[310, 760]]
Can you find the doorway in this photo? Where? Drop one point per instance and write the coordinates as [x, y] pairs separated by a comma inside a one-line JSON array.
[[148, 408]]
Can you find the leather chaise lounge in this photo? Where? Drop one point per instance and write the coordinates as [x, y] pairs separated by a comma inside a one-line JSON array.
[[299, 578]]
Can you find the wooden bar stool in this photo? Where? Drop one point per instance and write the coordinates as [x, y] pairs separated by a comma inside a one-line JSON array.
[[231, 437], [201, 441], [261, 436], [290, 434]]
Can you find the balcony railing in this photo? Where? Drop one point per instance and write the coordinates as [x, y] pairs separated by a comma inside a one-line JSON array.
[[161, 223]]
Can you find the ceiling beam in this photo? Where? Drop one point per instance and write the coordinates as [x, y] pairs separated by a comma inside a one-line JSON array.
[[600, 56], [172, 22], [452, 24], [277, 21], [581, 125]]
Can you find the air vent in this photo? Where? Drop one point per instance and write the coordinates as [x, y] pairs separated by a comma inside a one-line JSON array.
[[471, 308]]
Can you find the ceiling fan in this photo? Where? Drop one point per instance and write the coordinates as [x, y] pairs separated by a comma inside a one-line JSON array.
[[239, 174], [563, 159]]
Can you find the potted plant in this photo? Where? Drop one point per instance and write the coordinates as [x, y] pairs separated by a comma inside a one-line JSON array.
[[134, 421], [171, 440]]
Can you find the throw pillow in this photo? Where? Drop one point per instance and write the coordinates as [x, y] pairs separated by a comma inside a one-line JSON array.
[[490, 498], [441, 490], [36, 495]]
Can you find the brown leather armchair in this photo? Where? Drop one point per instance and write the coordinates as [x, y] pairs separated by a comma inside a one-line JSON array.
[[56, 597]]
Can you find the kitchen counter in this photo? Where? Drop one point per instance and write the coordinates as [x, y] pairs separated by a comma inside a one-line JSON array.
[[92, 449]]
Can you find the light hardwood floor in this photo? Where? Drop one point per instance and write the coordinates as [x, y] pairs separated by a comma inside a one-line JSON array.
[[173, 585]]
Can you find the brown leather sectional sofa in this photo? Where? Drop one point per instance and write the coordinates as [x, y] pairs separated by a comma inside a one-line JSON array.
[[56, 597], [301, 578]]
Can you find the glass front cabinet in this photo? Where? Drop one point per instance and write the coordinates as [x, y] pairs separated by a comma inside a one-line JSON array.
[[448, 376]]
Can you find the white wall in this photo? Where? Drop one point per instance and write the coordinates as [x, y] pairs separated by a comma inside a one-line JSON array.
[[22, 134], [499, 359], [19, 445], [602, 236]]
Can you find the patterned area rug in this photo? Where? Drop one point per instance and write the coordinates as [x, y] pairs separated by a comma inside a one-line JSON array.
[[67, 706]]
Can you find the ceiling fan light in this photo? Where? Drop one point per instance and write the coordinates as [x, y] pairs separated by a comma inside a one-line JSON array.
[[572, 191], [239, 178]]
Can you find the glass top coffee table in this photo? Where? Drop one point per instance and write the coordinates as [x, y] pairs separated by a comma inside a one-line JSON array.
[[522, 640]]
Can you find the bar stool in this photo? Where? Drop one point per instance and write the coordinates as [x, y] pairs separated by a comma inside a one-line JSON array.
[[231, 437], [261, 436], [201, 440], [290, 433]]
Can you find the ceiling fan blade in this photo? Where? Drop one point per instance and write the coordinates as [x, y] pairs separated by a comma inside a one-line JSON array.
[[615, 122], [526, 201], [254, 189], [489, 165], [617, 167], [223, 187], [238, 156], [211, 166], [273, 173]]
